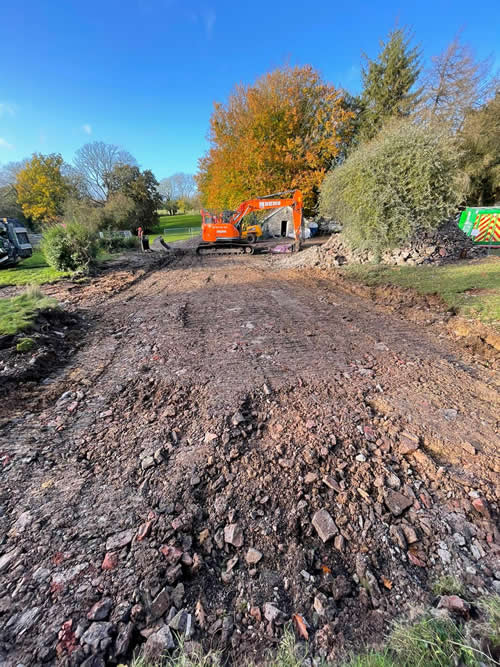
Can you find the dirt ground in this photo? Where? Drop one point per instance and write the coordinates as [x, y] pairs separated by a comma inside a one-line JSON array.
[[231, 445]]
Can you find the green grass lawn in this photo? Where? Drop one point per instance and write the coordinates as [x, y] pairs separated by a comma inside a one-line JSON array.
[[471, 288], [31, 271], [177, 222], [18, 312], [36, 271]]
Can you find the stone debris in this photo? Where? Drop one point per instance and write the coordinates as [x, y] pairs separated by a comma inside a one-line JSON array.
[[163, 506], [161, 603], [110, 561], [8, 558], [233, 535], [147, 462], [23, 521], [408, 443], [446, 244], [23, 622], [481, 506], [271, 612], [455, 604], [98, 635], [119, 540], [158, 643], [253, 556], [396, 502], [100, 610], [181, 622], [324, 525]]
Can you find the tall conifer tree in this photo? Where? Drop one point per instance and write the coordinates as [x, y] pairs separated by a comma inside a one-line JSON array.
[[388, 83]]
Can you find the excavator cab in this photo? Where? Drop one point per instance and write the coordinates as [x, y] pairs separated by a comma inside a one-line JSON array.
[[215, 230]]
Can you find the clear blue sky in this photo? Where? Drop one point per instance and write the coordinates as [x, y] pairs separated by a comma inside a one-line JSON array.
[[144, 73]]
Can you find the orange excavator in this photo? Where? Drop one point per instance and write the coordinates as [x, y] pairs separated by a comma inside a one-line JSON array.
[[225, 234]]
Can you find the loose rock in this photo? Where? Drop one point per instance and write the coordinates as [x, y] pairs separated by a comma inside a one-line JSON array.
[[396, 502], [158, 643], [233, 535], [100, 611], [97, 633], [253, 556], [324, 525], [119, 540]]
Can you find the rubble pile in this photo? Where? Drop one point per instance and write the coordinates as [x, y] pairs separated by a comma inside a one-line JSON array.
[[304, 504], [447, 244]]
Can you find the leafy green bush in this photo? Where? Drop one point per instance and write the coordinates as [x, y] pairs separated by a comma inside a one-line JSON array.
[[119, 212], [403, 182], [69, 247]]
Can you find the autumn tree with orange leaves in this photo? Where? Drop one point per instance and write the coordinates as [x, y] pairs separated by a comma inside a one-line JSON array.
[[283, 132]]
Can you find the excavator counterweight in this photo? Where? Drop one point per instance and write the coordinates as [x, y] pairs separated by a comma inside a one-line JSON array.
[[227, 236]]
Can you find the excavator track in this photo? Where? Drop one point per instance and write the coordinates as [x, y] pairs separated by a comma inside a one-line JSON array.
[[225, 249]]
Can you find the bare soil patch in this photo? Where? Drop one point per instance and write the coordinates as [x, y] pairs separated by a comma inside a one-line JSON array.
[[232, 445]]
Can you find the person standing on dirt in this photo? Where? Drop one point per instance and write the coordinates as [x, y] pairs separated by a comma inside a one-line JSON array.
[[144, 240], [140, 234]]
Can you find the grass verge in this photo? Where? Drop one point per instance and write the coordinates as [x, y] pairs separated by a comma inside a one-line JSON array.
[[470, 288], [428, 642], [36, 271], [31, 271], [19, 312]]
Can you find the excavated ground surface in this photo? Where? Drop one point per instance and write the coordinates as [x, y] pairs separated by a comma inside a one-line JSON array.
[[55, 335], [213, 408]]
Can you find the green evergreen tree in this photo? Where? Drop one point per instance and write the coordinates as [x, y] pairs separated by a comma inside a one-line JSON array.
[[388, 83], [480, 154]]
